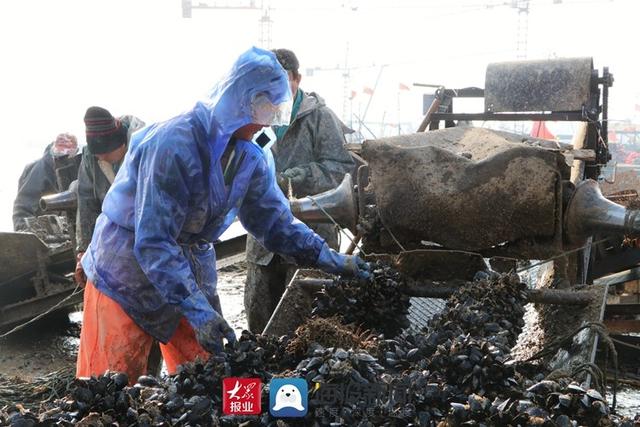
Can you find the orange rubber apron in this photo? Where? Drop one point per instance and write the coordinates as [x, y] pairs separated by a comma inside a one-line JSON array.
[[111, 340]]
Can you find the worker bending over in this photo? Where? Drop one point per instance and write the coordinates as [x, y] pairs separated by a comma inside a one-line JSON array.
[[151, 264]]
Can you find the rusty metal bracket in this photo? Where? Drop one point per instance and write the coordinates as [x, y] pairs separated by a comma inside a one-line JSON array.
[[41, 279], [435, 105]]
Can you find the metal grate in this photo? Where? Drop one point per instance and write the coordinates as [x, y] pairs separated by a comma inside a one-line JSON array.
[[421, 311]]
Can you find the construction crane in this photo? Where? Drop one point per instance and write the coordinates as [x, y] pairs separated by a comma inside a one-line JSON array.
[[522, 31], [522, 36]]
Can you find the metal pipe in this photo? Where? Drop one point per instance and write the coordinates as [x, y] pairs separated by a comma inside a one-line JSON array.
[[63, 201], [432, 290], [577, 170]]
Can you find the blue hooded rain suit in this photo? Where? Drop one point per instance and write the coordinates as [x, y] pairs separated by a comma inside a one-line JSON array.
[[152, 250]]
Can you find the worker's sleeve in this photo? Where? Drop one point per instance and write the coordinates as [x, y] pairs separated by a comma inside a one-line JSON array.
[[89, 206], [132, 123], [265, 213], [31, 187], [165, 177], [331, 159]]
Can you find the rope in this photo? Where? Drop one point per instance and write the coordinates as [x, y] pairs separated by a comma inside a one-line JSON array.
[[334, 221], [626, 344], [563, 254], [598, 375], [392, 236], [349, 237], [33, 393], [75, 292]]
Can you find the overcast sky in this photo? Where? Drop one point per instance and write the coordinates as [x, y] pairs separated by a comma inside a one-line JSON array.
[[142, 57]]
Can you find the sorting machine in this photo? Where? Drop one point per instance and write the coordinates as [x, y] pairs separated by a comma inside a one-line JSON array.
[[444, 203]]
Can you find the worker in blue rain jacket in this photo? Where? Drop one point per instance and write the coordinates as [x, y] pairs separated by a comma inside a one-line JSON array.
[[151, 263]]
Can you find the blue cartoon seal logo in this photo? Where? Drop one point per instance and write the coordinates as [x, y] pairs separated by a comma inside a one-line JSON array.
[[288, 397]]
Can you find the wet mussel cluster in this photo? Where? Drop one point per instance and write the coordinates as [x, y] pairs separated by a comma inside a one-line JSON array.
[[337, 364], [455, 372], [191, 397], [377, 304]]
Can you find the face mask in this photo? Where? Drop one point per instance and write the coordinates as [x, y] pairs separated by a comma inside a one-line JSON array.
[[62, 153], [264, 112]]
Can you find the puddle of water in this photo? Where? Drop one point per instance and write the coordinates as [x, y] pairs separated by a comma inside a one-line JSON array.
[[46, 346], [231, 291], [628, 401]]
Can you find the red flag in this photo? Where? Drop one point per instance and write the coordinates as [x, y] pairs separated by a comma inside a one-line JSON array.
[[539, 130], [613, 136], [367, 90], [353, 94], [637, 107], [631, 158], [403, 87]]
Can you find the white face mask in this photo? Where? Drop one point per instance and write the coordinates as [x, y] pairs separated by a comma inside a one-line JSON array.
[[62, 152], [263, 112]]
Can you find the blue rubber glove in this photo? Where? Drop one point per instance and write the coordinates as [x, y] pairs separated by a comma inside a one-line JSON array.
[[337, 263], [210, 334], [208, 324]]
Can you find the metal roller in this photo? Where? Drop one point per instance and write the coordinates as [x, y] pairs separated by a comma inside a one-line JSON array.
[[562, 84]]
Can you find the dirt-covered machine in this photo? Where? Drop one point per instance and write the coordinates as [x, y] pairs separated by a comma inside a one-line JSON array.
[[495, 193], [36, 266], [442, 202]]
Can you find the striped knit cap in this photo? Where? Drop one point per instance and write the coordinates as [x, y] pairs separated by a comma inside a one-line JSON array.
[[104, 132]]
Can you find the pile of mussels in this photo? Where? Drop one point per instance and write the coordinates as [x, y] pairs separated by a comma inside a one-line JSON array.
[[378, 304], [456, 372]]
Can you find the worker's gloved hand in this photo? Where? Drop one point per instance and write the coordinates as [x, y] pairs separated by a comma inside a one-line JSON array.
[[78, 275], [336, 263], [211, 333], [296, 175], [283, 183]]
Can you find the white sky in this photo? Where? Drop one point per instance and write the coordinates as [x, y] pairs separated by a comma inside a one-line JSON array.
[[141, 57]]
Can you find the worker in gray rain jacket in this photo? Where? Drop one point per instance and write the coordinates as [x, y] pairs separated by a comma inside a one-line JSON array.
[[310, 156], [107, 141]]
